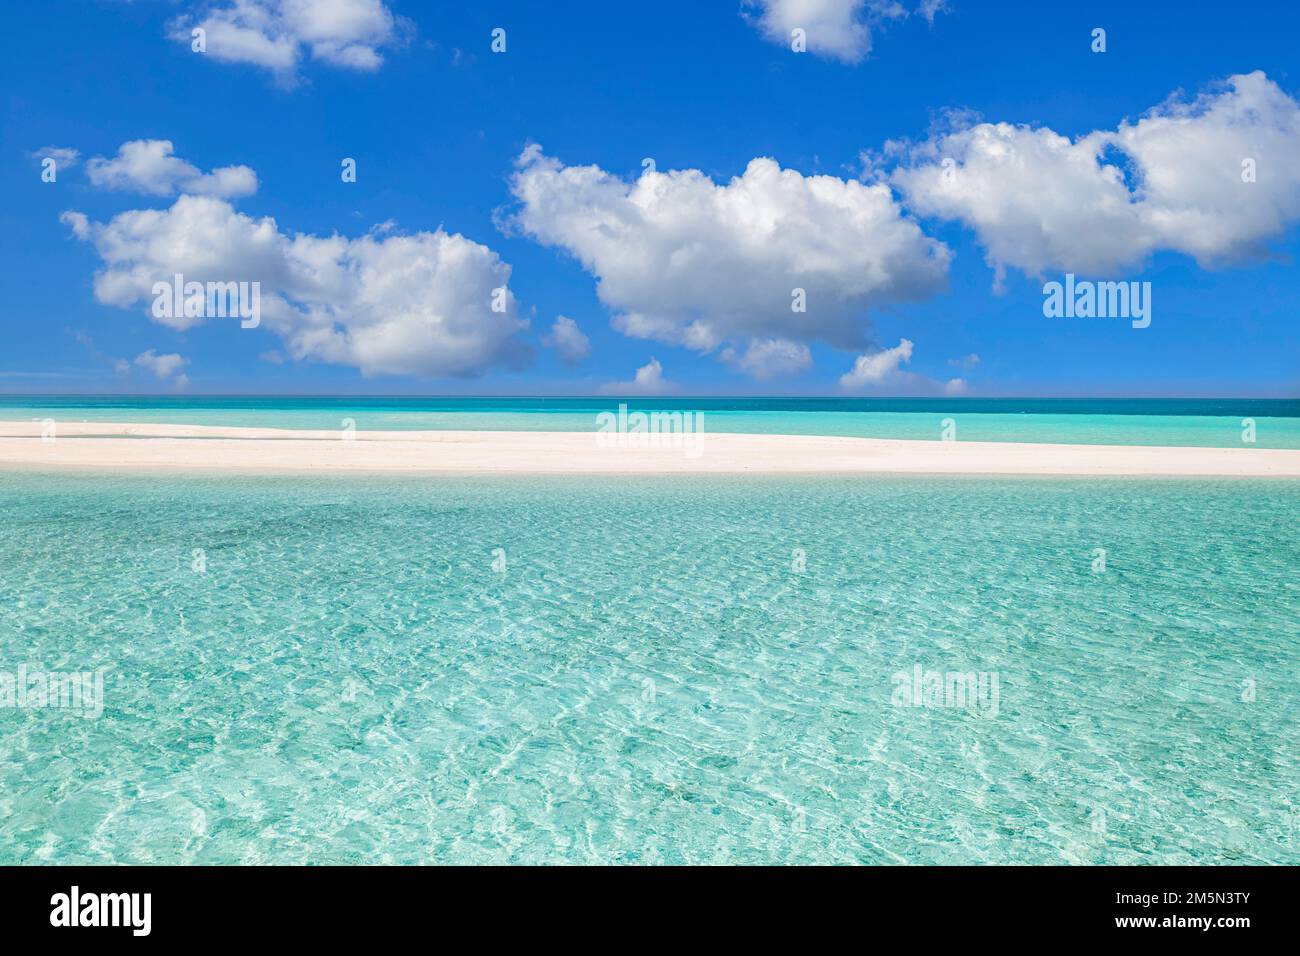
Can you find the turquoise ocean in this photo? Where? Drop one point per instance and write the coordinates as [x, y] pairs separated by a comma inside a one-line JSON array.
[[1198, 422], [656, 669]]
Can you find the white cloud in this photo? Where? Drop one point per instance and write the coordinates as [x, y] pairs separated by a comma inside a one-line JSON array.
[[569, 341], [165, 367], [77, 222], [1040, 202], [148, 166], [882, 371], [766, 359], [839, 29], [929, 9], [685, 261], [386, 304], [274, 33], [876, 367], [63, 156], [649, 380], [1189, 157]]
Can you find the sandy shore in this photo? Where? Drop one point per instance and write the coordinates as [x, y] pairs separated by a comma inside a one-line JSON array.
[[98, 446]]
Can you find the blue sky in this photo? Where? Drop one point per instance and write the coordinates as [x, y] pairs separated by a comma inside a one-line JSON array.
[[437, 124]]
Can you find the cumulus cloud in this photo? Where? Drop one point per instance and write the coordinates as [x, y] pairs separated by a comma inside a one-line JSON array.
[[767, 359], [431, 303], [63, 156], [839, 29], [149, 166], [876, 367], [771, 255], [1213, 177], [569, 341], [649, 380], [166, 367], [275, 33], [882, 371], [1191, 157]]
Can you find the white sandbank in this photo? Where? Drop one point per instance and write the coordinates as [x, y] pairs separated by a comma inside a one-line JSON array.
[[96, 446]]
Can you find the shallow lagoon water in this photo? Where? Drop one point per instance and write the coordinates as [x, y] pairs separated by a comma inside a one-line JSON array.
[[649, 678], [1215, 423]]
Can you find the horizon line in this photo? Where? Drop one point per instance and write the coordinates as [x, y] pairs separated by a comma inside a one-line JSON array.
[[669, 397]]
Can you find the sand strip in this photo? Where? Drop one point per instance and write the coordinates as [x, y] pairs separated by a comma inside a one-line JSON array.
[[98, 446]]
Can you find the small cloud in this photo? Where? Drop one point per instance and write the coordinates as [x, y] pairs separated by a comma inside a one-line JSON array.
[[883, 371], [77, 222], [876, 368], [274, 357], [568, 341], [64, 157], [649, 380], [929, 9], [350, 34], [966, 361], [838, 29], [766, 359], [148, 166], [165, 367]]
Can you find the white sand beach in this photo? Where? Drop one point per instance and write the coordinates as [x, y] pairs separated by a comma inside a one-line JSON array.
[[94, 446]]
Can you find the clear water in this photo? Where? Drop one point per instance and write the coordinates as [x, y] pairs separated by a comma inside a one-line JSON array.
[[650, 680], [1191, 422]]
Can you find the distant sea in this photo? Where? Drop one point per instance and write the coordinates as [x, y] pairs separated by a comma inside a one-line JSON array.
[[1192, 422]]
